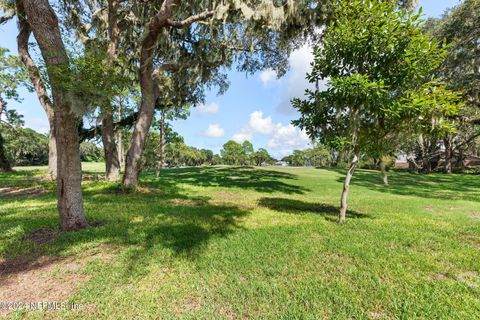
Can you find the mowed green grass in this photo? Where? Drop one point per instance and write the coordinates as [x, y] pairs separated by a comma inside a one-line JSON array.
[[263, 243]]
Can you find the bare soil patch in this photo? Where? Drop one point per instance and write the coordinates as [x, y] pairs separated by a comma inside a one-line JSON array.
[[27, 279], [42, 235]]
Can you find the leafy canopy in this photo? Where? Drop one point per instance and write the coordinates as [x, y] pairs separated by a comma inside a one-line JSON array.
[[379, 67]]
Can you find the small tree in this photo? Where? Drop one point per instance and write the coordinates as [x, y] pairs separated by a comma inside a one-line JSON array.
[[376, 60]]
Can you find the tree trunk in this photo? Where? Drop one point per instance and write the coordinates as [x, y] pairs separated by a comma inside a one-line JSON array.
[[460, 162], [52, 151], [148, 88], [121, 157], [161, 149], [447, 167], [356, 158], [44, 24], [346, 188], [383, 170], [39, 86], [112, 163], [147, 107]]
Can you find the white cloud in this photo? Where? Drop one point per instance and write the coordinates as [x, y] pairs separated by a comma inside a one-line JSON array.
[[209, 108], [214, 131], [244, 134], [266, 76], [260, 124], [282, 138], [295, 82], [287, 138]]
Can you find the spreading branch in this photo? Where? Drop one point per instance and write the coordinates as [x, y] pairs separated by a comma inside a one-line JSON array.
[[33, 72], [188, 21]]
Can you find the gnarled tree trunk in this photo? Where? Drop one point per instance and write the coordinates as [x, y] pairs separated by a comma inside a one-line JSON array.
[[44, 25], [40, 89], [147, 106], [148, 88]]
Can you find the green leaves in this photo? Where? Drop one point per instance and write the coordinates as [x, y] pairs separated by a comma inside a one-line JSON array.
[[380, 69]]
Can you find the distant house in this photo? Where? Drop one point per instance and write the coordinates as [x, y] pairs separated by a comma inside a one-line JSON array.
[[281, 163], [401, 162]]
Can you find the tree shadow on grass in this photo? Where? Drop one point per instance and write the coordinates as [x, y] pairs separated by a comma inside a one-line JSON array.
[[249, 178], [144, 224], [293, 206], [435, 186]]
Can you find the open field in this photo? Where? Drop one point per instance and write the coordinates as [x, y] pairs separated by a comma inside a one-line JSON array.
[[231, 243]]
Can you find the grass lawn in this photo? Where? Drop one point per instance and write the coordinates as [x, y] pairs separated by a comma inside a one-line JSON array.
[[231, 243]]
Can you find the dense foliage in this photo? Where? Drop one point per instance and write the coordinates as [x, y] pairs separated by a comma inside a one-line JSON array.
[[318, 156], [24, 146]]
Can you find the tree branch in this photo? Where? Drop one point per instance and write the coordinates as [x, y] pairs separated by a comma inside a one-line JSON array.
[[188, 21], [8, 16], [33, 73], [172, 67]]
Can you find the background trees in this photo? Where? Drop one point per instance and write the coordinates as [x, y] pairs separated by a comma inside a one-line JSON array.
[[379, 67], [318, 156], [11, 77], [460, 29], [232, 153]]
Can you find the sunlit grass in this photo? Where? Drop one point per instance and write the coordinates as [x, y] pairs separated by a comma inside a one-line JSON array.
[[263, 243]]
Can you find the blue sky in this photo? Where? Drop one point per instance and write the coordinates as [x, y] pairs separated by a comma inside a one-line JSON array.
[[255, 107]]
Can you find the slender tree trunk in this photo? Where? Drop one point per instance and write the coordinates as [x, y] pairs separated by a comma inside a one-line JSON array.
[[40, 89], [121, 157], [112, 163], [460, 162], [383, 170], [44, 24], [161, 149], [356, 158], [447, 167], [346, 189]]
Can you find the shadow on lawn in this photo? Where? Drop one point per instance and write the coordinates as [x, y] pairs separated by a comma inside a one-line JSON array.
[[262, 180], [144, 223], [437, 186], [296, 206], [159, 220]]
